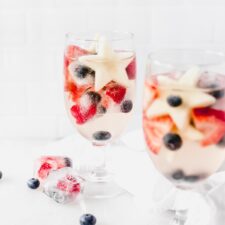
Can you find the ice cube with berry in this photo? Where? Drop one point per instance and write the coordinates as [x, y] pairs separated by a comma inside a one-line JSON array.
[[45, 164], [63, 185]]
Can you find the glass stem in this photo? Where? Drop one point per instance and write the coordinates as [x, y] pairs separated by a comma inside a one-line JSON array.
[[186, 208], [99, 173], [180, 208]]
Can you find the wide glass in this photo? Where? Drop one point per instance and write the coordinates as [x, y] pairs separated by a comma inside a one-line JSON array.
[[184, 121], [99, 87]]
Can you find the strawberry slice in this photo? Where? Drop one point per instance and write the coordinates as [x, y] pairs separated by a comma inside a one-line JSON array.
[[154, 131], [81, 114], [131, 69], [211, 122], [116, 92], [150, 94]]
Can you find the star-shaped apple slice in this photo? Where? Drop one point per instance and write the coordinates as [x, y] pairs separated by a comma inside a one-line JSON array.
[[188, 94], [108, 65]]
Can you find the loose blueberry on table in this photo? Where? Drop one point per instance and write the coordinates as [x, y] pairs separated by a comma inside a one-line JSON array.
[[88, 219], [33, 183]]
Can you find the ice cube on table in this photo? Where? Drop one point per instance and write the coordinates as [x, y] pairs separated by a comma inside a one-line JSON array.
[[63, 185], [45, 164]]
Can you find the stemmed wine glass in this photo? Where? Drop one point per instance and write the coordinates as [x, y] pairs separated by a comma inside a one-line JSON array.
[[184, 125], [99, 87]]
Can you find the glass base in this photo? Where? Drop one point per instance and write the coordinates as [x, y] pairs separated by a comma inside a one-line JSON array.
[[101, 187], [183, 208]]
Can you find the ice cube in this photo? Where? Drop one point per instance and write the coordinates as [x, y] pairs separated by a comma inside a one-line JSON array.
[[88, 79], [85, 103], [63, 185], [45, 164]]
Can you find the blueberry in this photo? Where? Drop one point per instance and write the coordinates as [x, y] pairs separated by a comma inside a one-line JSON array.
[[216, 93], [102, 135], [126, 106], [192, 178], [178, 175], [83, 71], [172, 141], [33, 183], [68, 162], [102, 109], [87, 219], [174, 101], [0, 174], [94, 96], [221, 143]]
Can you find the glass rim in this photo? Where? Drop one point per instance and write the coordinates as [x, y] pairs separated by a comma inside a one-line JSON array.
[[126, 35], [155, 55]]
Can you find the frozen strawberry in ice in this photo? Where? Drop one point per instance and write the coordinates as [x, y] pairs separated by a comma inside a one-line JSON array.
[[72, 53], [46, 164], [63, 185], [69, 183], [80, 74], [116, 92], [82, 115]]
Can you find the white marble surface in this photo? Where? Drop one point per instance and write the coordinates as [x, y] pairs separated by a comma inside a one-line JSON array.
[[21, 206]]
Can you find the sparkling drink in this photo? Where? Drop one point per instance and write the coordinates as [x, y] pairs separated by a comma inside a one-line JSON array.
[[184, 124], [184, 127], [99, 97]]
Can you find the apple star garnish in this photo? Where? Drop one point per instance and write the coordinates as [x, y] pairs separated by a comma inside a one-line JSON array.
[[193, 97], [108, 65]]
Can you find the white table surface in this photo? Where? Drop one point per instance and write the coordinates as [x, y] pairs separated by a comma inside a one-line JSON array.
[[22, 206]]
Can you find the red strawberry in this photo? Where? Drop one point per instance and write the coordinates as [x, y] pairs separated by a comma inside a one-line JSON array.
[[211, 122], [82, 115], [44, 170], [73, 52], [49, 163], [154, 131], [70, 87], [66, 62], [131, 69], [76, 93], [116, 92]]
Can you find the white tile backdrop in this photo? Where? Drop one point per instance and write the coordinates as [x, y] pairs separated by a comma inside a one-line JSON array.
[[32, 40]]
